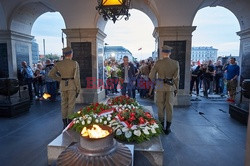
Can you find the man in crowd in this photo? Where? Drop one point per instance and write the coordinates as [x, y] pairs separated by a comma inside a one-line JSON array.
[[67, 73], [167, 85], [208, 71], [233, 71], [50, 83], [128, 76], [219, 73], [144, 72], [27, 75]]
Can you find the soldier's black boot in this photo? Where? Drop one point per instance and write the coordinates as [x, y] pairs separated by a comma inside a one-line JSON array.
[[69, 121], [162, 123], [168, 130], [65, 123]]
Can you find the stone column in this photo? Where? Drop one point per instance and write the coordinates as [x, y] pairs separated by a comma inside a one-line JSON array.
[[247, 156], [87, 45], [180, 38], [14, 48], [245, 74]]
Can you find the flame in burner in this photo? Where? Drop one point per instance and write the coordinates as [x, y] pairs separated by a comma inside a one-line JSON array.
[[46, 95], [95, 132]]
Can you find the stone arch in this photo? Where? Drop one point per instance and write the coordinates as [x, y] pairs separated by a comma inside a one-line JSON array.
[[26, 14], [240, 10], [146, 6], [3, 24]]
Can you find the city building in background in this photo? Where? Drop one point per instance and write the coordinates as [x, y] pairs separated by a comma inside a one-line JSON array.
[[35, 51], [204, 54], [226, 59], [117, 53], [155, 55]]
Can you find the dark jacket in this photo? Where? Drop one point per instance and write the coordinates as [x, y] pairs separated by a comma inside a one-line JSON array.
[[131, 71]]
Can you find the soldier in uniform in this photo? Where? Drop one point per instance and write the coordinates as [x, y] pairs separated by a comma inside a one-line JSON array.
[[167, 85], [67, 73]]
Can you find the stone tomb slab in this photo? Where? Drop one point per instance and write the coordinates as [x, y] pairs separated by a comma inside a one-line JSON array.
[[151, 149]]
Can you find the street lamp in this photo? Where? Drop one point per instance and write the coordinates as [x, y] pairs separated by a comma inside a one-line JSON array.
[[113, 9]]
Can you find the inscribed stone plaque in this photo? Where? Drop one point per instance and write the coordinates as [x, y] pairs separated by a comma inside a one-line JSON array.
[[100, 64], [245, 66], [82, 54], [4, 71], [179, 54], [22, 54]]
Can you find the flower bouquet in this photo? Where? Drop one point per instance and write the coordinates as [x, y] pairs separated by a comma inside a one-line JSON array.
[[123, 100], [135, 125], [95, 108], [128, 120], [81, 121]]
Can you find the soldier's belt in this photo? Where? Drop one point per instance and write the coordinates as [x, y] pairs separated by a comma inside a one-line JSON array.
[[167, 81], [65, 79]]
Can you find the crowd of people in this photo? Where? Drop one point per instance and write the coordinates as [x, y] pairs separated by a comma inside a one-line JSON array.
[[136, 78], [215, 78], [36, 77]]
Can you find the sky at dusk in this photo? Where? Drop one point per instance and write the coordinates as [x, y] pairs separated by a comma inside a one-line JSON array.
[[216, 27]]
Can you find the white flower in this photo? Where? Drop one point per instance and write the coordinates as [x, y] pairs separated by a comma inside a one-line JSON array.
[[109, 119], [145, 131], [100, 120], [125, 129], [137, 133], [90, 118], [112, 121], [118, 132], [96, 121], [109, 115], [80, 118], [83, 122], [88, 121], [133, 127], [153, 130], [115, 127], [77, 121], [105, 122], [128, 134], [155, 125]]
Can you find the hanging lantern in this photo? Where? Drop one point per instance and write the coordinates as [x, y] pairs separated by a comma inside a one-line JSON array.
[[113, 9]]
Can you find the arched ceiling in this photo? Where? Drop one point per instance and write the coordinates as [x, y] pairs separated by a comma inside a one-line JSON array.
[[240, 8], [23, 17], [21, 14]]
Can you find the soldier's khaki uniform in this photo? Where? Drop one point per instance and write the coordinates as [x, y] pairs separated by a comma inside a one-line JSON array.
[[165, 68], [67, 73]]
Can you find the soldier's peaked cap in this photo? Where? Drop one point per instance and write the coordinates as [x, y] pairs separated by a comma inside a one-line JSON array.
[[67, 51], [166, 48]]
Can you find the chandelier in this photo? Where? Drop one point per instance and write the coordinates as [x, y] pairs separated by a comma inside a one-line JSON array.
[[113, 9]]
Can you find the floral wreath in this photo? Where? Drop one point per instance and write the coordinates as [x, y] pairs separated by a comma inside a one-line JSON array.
[[128, 121]]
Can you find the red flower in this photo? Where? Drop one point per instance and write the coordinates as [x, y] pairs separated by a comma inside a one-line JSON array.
[[128, 124], [132, 118], [148, 115], [132, 114], [141, 120], [152, 121]]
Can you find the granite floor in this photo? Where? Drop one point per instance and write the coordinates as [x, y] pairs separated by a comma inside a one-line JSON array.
[[203, 134]]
